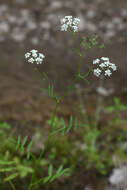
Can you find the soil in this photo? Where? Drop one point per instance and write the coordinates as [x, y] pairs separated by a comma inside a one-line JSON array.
[[26, 25]]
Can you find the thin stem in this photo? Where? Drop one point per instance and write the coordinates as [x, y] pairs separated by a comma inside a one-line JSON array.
[[79, 67], [70, 87], [12, 185], [54, 115], [99, 102], [38, 72], [58, 101]]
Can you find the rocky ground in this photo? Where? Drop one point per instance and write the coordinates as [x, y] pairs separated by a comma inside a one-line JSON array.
[[27, 24]]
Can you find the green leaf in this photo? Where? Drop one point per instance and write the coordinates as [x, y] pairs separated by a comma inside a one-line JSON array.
[[28, 149], [101, 46], [18, 142], [46, 76], [64, 128], [70, 124], [117, 101], [59, 173], [6, 162], [50, 170], [58, 130], [59, 170], [65, 172], [123, 107], [46, 179], [9, 169], [111, 108], [4, 125], [11, 177], [23, 143]]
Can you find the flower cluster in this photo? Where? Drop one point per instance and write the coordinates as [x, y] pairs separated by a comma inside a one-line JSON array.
[[68, 21], [34, 57], [104, 67]]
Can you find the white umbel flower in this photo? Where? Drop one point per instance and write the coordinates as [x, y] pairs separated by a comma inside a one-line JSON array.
[[41, 55], [69, 22], [68, 17], [75, 28], [34, 57], [97, 72], [102, 65], [38, 60], [64, 27], [105, 58], [107, 63], [105, 66], [108, 73], [96, 61], [113, 66], [27, 55], [63, 21], [76, 21], [33, 51], [31, 60]]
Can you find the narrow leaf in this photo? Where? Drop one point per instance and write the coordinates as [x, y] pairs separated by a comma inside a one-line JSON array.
[[50, 170]]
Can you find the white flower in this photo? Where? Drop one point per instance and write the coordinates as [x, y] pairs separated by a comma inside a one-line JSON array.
[[27, 55], [76, 21], [105, 58], [38, 60], [31, 60], [41, 55], [107, 63], [69, 21], [68, 17], [96, 61], [97, 72], [75, 28], [63, 20], [102, 65], [113, 67], [64, 27], [33, 51], [108, 72], [34, 57]]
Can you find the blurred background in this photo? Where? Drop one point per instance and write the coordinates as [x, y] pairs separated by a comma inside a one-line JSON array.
[[27, 24], [35, 24]]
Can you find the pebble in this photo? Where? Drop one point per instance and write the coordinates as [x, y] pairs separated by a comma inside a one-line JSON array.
[[118, 177], [25, 21]]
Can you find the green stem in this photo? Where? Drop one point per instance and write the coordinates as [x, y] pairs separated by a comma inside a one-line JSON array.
[[99, 102], [12, 185], [54, 114], [38, 72], [58, 101], [70, 87], [79, 67]]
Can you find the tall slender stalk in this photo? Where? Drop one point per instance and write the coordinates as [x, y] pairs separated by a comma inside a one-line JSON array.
[[58, 102], [12, 185], [99, 101]]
